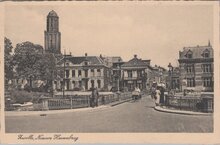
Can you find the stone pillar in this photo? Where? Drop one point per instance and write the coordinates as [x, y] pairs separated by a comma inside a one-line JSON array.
[[45, 106]]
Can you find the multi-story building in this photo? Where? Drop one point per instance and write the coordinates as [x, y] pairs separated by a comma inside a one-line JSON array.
[[196, 68], [135, 73], [82, 73]]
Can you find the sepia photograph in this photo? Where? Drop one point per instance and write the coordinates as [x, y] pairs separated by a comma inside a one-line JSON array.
[[109, 67]]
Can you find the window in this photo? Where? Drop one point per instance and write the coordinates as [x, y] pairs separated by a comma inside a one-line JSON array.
[[86, 63], [206, 68], [86, 73], [207, 82], [206, 55], [189, 54], [51, 40], [67, 73], [67, 64], [92, 73], [74, 83], [139, 74], [79, 73], [92, 83], [73, 73], [190, 82], [190, 68], [99, 83], [130, 74], [98, 72], [80, 84]]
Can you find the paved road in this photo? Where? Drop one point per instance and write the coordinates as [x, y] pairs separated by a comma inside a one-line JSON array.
[[128, 117]]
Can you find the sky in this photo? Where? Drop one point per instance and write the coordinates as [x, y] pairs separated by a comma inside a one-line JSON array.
[[152, 31]]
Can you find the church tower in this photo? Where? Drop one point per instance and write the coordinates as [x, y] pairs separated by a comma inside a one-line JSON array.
[[52, 35]]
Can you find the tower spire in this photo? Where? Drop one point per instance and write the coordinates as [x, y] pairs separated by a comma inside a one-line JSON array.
[[209, 44], [52, 35]]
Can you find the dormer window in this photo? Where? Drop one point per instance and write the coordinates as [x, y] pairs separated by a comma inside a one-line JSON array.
[[206, 54], [189, 54], [86, 63]]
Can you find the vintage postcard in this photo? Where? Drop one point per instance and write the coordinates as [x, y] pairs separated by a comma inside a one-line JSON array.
[[110, 72]]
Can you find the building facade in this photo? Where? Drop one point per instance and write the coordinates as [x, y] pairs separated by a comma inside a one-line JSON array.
[[135, 74], [82, 73], [196, 68], [52, 36]]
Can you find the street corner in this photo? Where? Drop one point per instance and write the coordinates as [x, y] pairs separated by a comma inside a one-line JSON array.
[[182, 112]]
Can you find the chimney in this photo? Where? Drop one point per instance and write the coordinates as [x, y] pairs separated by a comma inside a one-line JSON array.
[[85, 54], [135, 56]]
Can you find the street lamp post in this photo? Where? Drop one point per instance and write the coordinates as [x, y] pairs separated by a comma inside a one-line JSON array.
[[170, 74], [118, 69]]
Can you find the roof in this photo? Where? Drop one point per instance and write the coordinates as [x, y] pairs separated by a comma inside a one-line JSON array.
[[115, 59], [52, 13], [197, 51], [94, 60], [135, 62]]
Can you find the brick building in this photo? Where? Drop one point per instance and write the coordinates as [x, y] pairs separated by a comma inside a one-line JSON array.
[[196, 68]]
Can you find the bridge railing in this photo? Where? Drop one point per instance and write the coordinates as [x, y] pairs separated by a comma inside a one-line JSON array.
[[197, 104], [76, 101]]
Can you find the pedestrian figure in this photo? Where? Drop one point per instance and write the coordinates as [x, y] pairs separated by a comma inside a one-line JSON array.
[[96, 96], [92, 98], [157, 96], [162, 90], [153, 92], [139, 93]]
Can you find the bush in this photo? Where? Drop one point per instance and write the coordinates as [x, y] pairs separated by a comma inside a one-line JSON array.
[[25, 96], [20, 96]]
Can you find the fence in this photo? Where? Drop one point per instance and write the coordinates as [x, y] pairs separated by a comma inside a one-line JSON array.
[[81, 101], [198, 104]]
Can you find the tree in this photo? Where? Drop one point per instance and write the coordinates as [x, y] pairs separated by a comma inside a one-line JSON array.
[[46, 68], [26, 57], [8, 58], [33, 64]]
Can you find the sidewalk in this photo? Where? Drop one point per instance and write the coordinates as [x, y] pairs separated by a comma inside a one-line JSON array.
[[44, 113], [159, 108]]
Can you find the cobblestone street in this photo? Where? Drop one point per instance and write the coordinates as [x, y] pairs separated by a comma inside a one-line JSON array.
[[137, 116]]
